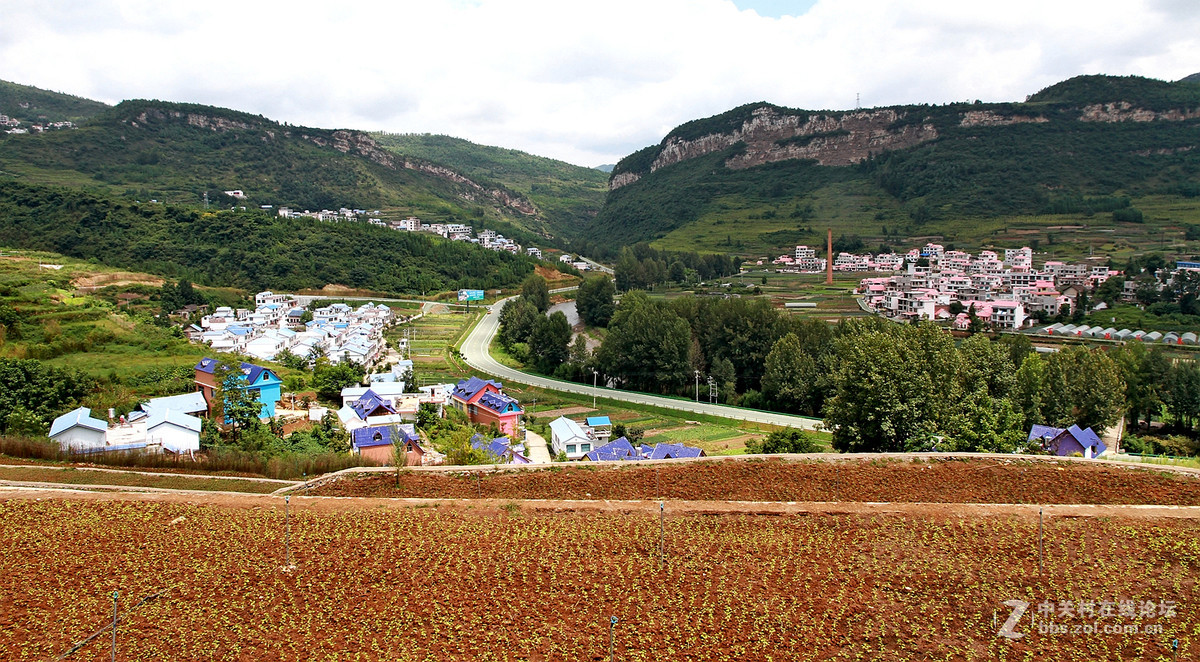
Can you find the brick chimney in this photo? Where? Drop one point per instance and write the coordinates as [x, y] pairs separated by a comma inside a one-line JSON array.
[[829, 260]]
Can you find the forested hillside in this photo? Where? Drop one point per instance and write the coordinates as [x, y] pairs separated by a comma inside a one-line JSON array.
[[31, 105], [179, 153], [245, 249], [567, 196], [1087, 145]]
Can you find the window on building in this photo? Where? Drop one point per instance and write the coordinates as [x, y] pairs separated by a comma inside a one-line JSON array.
[[585, 448], [570, 448]]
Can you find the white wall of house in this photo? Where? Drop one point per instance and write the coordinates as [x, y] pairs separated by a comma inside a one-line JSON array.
[[173, 438], [79, 437]]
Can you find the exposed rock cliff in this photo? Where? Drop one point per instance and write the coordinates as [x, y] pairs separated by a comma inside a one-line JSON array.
[[201, 121], [501, 197], [355, 142], [1123, 111], [832, 140], [992, 118]]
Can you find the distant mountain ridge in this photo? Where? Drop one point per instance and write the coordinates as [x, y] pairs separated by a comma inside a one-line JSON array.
[[31, 105], [908, 165], [177, 152]]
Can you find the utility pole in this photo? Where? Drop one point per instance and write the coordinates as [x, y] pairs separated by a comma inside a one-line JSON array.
[[116, 596], [594, 375], [712, 390]]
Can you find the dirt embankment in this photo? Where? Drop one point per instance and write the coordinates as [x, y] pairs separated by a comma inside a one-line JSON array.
[[116, 279], [972, 481]]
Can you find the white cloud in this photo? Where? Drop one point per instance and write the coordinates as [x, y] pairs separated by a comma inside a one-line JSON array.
[[587, 83]]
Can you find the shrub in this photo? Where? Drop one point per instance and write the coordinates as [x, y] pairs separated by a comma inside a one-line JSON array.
[[787, 440]]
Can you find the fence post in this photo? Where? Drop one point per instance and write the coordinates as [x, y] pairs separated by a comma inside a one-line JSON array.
[[116, 597], [1040, 528], [661, 534], [612, 624], [287, 502]]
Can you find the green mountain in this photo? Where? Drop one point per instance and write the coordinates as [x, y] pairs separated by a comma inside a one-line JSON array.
[[567, 197], [178, 153], [1194, 78], [31, 105], [760, 178], [251, 249]]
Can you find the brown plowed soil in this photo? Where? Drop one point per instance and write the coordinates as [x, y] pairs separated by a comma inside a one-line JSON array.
[[936, 481], [413, 584]]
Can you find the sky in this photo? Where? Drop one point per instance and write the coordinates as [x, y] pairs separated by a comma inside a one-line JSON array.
[[579, 80]]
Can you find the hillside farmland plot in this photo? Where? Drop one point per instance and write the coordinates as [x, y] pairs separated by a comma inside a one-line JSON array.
[[375, 582]]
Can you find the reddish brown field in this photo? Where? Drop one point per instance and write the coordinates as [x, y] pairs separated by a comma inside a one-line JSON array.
[[375, 583], [939, 481]]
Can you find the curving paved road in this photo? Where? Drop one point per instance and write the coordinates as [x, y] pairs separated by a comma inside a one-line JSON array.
[[475, 353]]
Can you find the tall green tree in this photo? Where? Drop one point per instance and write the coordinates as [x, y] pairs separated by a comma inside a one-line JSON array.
[[982, 423], [518, 318], [548, 342], [742, 331], [39, 392], [985, 365], [1145, 372], [537, 292], [1183, 394], [646, 346], [235, 404], [792, 379], [1082, 387], [330, 378], [1029, 384], [594, 300], [891, 386]]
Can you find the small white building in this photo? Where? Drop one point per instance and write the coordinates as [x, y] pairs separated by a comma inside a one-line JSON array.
[[566, 436], [77, 429], [175, 431]]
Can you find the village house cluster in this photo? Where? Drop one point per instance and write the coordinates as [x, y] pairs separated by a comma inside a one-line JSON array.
[[278, 323], [489, 239], [170, 424], [1004, 293], [590, 441], [13, 125]]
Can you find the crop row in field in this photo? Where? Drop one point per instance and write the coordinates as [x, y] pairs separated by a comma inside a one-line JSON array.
[[394, 584], [73, 476], [935, 481]]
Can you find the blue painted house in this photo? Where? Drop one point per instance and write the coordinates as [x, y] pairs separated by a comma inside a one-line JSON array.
[[1076, 440], [261, 382]]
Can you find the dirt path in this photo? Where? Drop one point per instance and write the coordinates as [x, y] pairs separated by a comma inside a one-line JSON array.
[[568, 507], [536, 447]]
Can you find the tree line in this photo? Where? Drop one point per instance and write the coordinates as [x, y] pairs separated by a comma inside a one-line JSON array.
[[879, 386], [641, 267], [250, 250]]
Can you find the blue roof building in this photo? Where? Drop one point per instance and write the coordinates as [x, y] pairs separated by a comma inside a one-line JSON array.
[[260, 382], [77, 429], [1074, 440], [501, 448], [667, 451]]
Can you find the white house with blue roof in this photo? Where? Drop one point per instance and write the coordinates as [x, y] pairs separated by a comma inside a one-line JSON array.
[[77, 429], [174, 431], [567, 437]]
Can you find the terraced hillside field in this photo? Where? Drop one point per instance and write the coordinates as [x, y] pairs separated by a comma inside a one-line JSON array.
[[930, 480], [380, 581]]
